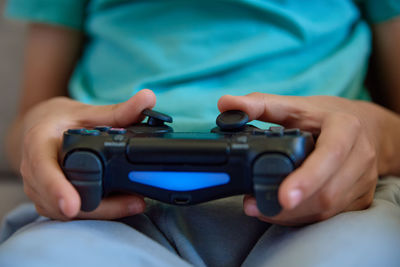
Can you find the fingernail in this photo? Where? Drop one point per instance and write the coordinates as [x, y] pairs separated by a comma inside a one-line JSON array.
[[251, 209], [295, 197], [61, 205], [135, 207]]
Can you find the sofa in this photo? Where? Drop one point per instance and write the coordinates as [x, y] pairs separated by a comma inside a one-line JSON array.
[[11, 55]]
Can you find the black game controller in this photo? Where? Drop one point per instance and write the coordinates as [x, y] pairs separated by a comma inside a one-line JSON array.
[[183, 168]]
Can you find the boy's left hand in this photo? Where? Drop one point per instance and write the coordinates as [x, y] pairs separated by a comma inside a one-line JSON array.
[[342, 172]]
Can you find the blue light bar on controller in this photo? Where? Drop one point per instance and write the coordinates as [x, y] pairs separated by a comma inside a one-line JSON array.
[[179, 181]]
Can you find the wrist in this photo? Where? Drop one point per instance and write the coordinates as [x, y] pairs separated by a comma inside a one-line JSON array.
[[384, 127], [14, 140]]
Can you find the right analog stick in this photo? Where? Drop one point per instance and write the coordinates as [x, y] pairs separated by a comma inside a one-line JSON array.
[[156, 118], [232, 120]]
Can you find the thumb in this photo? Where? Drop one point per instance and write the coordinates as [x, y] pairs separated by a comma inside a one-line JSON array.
[[121, 114], [289, 111]]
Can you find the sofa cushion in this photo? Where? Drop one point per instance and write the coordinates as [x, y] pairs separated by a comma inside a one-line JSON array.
[[11, 192], [11, 47]]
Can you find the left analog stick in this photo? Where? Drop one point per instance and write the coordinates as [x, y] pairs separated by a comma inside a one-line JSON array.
[[232, 120]]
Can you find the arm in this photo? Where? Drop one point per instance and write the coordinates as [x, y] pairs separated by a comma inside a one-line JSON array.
[[45, 113], [357, 141], [50, 56], [386, 64]]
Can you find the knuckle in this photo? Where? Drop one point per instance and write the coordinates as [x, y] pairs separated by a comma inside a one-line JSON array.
[[326, 200], [353, 121], [370, 153], [371, 180], [337, 152], [36, 162], [323, 216]]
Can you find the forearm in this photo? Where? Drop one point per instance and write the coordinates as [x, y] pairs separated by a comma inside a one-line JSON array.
[[385, 71], [50, 57], [391, 164], [386, 64]]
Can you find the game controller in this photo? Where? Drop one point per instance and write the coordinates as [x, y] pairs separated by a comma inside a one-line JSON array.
[[183, 168]]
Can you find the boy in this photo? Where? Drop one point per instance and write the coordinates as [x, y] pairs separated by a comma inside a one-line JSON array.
[[193, 54]]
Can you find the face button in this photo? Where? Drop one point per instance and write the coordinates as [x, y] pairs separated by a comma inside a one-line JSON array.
[[102, 128], [91, 132], [242, 139], [118, 138], [293, 132], [76, 131], [117, 131]]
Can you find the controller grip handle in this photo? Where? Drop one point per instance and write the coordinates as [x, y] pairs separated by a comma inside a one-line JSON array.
[[85, 172], [269, 170]]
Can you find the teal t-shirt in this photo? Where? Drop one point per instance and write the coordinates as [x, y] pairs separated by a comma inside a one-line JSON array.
[[191, 52]]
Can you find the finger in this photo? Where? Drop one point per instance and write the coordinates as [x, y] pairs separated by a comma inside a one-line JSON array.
[[287, 218], [363, 202], [290, 111], [360, 203], [119, 115], [357, 176], [42, 206], [333, 146], [250, 206], [115, 207], [57, 193], [317, 208], [46, 178], [356, 204]]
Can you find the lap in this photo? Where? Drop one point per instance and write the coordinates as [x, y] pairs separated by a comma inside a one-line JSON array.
[[362, 238], [215, 234], [84, 243]]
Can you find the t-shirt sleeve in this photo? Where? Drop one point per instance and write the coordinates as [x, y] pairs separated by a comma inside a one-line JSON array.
[[377, 11], [68, 13]]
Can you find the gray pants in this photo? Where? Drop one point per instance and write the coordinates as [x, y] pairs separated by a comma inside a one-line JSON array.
[[211, 234]]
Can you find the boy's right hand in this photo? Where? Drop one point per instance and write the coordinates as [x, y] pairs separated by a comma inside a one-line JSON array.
[[44, 181]]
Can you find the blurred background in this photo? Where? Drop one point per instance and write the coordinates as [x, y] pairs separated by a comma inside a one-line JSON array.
[[12, 34]]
